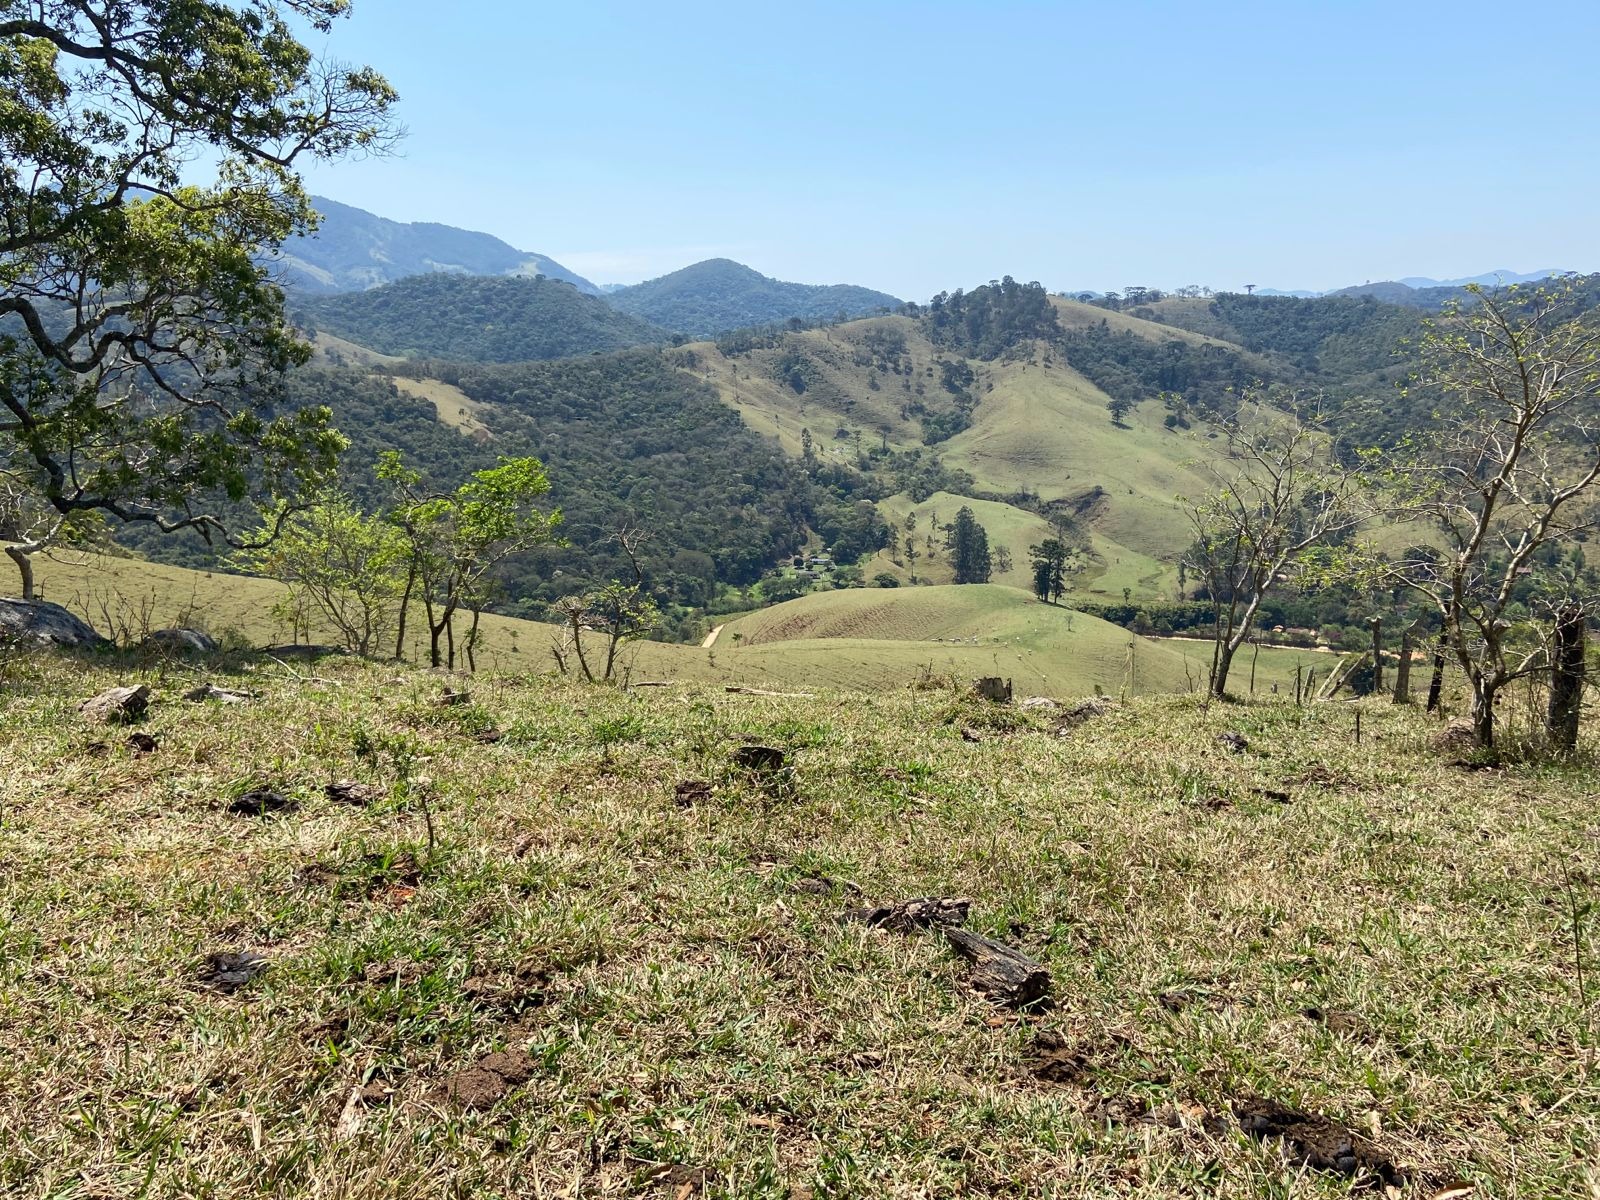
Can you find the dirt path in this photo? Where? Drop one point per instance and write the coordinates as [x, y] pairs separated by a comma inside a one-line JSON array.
[[711, 638]]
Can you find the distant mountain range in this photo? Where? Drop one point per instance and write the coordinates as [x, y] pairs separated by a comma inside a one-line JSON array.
[[1418, 291], [354, 249]]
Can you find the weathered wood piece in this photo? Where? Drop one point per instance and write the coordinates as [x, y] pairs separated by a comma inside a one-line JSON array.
[[908, 915], [1004, 975]]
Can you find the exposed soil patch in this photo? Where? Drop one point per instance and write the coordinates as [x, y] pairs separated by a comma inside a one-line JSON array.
[[1053, 1059], [1339, 1021], [314, 875], [762, 760], [1314, 1141], [509, 994], [142, 743], [473, 1088], [1319, 774], [398, 972], [691, 792], [487, 1081]]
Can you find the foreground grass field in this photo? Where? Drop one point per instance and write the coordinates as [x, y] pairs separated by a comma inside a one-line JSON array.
[[585, 884]]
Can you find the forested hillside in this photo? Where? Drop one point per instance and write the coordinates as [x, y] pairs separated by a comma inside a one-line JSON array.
[[718, 295], [627, 440], [476, 318]]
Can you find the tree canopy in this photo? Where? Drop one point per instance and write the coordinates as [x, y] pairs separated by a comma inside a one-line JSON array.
[[142, 342]]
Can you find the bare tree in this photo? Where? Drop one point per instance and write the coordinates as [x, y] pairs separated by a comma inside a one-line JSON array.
[[617, 611], [1280, 494], [1506, 470]]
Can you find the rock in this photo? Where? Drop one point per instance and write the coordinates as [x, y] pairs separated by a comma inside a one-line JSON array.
[[449, 698], [924, 913], [1236, 742], [262, 802], [39, 624], [302, 651], [180, 641], [357, 795], [1038, 704], [969, 734], [118, 705], [210, 691], [229, 971]]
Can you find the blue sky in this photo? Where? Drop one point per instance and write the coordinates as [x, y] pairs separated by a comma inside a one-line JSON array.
[[917, 147]]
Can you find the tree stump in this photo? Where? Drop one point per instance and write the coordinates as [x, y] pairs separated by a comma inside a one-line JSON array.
[[1004, 975], [1566, 678], [992, 687]]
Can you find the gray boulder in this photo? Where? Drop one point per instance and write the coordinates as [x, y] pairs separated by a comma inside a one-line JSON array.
[[118, 705], [180, 641], [36, 623]]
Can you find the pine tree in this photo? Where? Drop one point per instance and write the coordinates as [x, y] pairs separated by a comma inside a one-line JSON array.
[[970, 544]]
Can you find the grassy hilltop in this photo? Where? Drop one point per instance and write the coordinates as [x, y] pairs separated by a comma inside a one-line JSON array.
[[857, 638], [646, 940]]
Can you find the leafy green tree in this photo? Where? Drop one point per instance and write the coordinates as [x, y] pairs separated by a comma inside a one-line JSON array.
[[143, 339], [1505, 472], [1049, 562], [347, 565], [456, 540], [970, 547]]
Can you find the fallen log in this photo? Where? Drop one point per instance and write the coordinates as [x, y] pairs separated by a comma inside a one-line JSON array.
[[750, 691], [1004, 975]]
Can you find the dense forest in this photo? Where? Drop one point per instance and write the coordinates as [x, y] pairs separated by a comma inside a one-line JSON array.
[[718, 295], [476, 319], [989, 320]]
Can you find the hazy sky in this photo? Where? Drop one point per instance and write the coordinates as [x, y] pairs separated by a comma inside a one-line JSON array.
[[917, 147]]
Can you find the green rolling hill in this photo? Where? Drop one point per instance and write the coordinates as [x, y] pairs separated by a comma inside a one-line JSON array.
[[719, 294], [476, 319]]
